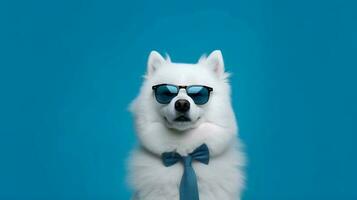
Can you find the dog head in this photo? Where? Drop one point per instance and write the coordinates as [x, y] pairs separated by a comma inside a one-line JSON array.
[[177, 118]]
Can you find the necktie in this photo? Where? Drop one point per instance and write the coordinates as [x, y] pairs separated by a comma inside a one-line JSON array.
[[188, 184]]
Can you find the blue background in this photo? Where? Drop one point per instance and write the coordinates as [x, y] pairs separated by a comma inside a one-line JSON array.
[[69, 69]]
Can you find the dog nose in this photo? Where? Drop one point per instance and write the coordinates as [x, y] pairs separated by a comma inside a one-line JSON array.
[[182, 105]]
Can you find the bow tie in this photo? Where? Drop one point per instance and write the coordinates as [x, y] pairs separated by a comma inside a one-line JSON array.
[[188, 185]]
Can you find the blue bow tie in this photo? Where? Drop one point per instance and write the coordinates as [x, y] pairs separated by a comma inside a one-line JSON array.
[[188, 185]]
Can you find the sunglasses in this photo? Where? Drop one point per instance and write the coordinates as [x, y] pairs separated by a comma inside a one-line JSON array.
[[164, 93]]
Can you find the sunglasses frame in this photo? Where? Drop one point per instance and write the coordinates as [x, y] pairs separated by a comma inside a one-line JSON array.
[[184, 87]]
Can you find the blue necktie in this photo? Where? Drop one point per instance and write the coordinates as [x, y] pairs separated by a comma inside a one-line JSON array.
[[188, 185]]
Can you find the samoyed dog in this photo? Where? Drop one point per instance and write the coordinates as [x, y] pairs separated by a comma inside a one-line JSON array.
[[184, 111]]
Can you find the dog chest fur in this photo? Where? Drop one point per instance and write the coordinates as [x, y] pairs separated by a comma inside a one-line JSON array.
[[220, 179]]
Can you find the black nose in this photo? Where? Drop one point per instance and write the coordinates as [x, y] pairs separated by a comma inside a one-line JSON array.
[[182, 105]]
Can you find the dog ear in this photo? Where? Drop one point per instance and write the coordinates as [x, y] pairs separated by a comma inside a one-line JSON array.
[[215, 62], [155, 61]]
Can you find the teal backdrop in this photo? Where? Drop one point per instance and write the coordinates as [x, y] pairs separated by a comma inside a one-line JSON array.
[[69, 69]]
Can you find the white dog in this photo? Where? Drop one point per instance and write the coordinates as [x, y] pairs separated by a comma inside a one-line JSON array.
[[171, 117]]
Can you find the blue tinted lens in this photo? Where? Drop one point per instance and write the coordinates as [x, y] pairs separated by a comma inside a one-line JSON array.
[[199, 94], [165, 93]]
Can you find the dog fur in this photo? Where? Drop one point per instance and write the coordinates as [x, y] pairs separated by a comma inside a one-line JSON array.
[[213, 123]]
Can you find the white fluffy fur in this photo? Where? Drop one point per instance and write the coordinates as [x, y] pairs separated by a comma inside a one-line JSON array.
[[213, 123]]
